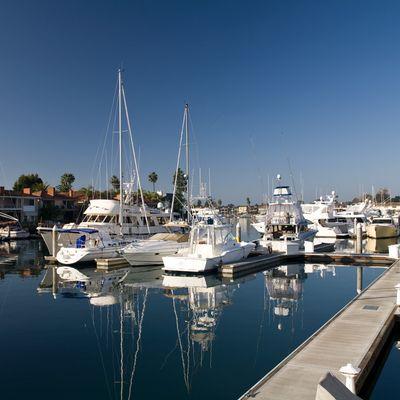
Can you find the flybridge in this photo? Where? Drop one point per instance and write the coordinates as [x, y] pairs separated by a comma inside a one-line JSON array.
[[282, 191]]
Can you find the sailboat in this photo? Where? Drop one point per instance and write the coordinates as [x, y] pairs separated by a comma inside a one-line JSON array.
[[92, 244], [152, 250]]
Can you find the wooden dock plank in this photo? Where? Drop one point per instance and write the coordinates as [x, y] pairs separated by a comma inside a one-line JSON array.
[[354, 335]]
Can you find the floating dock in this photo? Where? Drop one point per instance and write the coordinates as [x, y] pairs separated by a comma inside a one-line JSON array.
[[261, 262], [356, 335]]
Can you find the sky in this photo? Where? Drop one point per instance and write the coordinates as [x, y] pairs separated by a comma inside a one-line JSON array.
[[306, 89]]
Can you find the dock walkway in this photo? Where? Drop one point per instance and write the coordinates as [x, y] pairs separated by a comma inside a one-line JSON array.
[[356, 334]]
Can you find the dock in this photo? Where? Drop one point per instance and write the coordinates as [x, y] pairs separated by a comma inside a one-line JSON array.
[[264, 261], [356, 335]]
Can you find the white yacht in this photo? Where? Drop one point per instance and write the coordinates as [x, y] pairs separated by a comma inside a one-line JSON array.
[[210, 245], [321, 214], [103, 214], [152, 250], [90, 244], [284, 222], [11, 229], [382, 228]]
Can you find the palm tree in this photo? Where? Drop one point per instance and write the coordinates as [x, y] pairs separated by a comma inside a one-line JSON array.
[[114, 182], [153, 177], [248, 201]]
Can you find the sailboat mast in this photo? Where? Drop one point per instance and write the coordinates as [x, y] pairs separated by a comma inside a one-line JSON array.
[[121, 196], [187, 159]]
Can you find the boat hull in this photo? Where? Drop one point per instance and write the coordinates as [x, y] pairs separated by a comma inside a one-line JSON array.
[[72, 256], [193, 264]]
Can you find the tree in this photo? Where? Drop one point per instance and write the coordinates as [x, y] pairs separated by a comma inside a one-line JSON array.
[[114, 180], [32, 181], [181, 184], [153, 178], [66, 182], [219, 202], [248, 201], [199, 203], [382, 195]]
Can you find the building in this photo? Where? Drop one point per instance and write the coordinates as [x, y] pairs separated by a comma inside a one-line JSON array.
[[41, 206]]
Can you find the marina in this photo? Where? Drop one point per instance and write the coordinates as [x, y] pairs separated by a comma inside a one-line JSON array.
[[199, 200]]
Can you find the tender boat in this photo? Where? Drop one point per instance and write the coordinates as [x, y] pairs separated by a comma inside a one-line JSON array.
[[90, 245], [284, 222], [382, 228], [210, 245], [11, 228]]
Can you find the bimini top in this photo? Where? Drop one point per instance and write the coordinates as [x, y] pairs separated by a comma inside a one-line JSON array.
[[81, 230], [282, 191]]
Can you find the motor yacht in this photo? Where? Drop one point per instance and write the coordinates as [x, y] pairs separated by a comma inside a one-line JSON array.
[[284, 222], [210, 245], [321, 214]]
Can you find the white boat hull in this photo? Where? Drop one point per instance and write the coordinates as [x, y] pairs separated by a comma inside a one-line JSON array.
[[192, 264], [71, 256]]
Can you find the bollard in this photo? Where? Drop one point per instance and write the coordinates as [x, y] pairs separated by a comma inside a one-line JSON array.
[[238, 232], [350, 372], [54, 241], [397, 287]]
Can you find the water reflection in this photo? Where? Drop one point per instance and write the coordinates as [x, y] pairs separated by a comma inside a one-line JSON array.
[[138, 326]]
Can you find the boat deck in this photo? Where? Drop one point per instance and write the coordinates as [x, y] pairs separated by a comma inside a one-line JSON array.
[[356, 334]]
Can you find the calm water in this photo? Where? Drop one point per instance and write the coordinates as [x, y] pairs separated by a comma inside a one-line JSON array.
[[387, 382], [138, 334]]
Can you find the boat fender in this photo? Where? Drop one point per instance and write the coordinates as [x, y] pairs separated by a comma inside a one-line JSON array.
[[270, 249]]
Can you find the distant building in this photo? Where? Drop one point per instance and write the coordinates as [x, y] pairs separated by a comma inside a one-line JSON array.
[[28, 206]]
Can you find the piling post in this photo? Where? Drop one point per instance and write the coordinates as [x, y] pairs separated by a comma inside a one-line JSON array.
[[359, 238], [397, 287], [55, 282], [359, 279], [54, 241], [350, 372], [238, 232]]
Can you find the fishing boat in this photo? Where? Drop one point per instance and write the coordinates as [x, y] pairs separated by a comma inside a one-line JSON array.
[[210, 245], [284, 222], [11, 229]]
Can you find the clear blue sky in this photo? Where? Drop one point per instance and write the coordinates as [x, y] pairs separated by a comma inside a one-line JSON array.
[[316, 82]]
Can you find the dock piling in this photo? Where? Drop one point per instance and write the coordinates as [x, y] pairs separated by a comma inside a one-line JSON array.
[[54, 240], [238, 233]]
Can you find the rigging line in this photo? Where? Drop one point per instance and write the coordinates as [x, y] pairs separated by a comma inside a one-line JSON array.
[[180, 342], [134, 158], [107, 131], [100, 353], [292, 178], [195, 142], [140, 325], [177, 167]]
